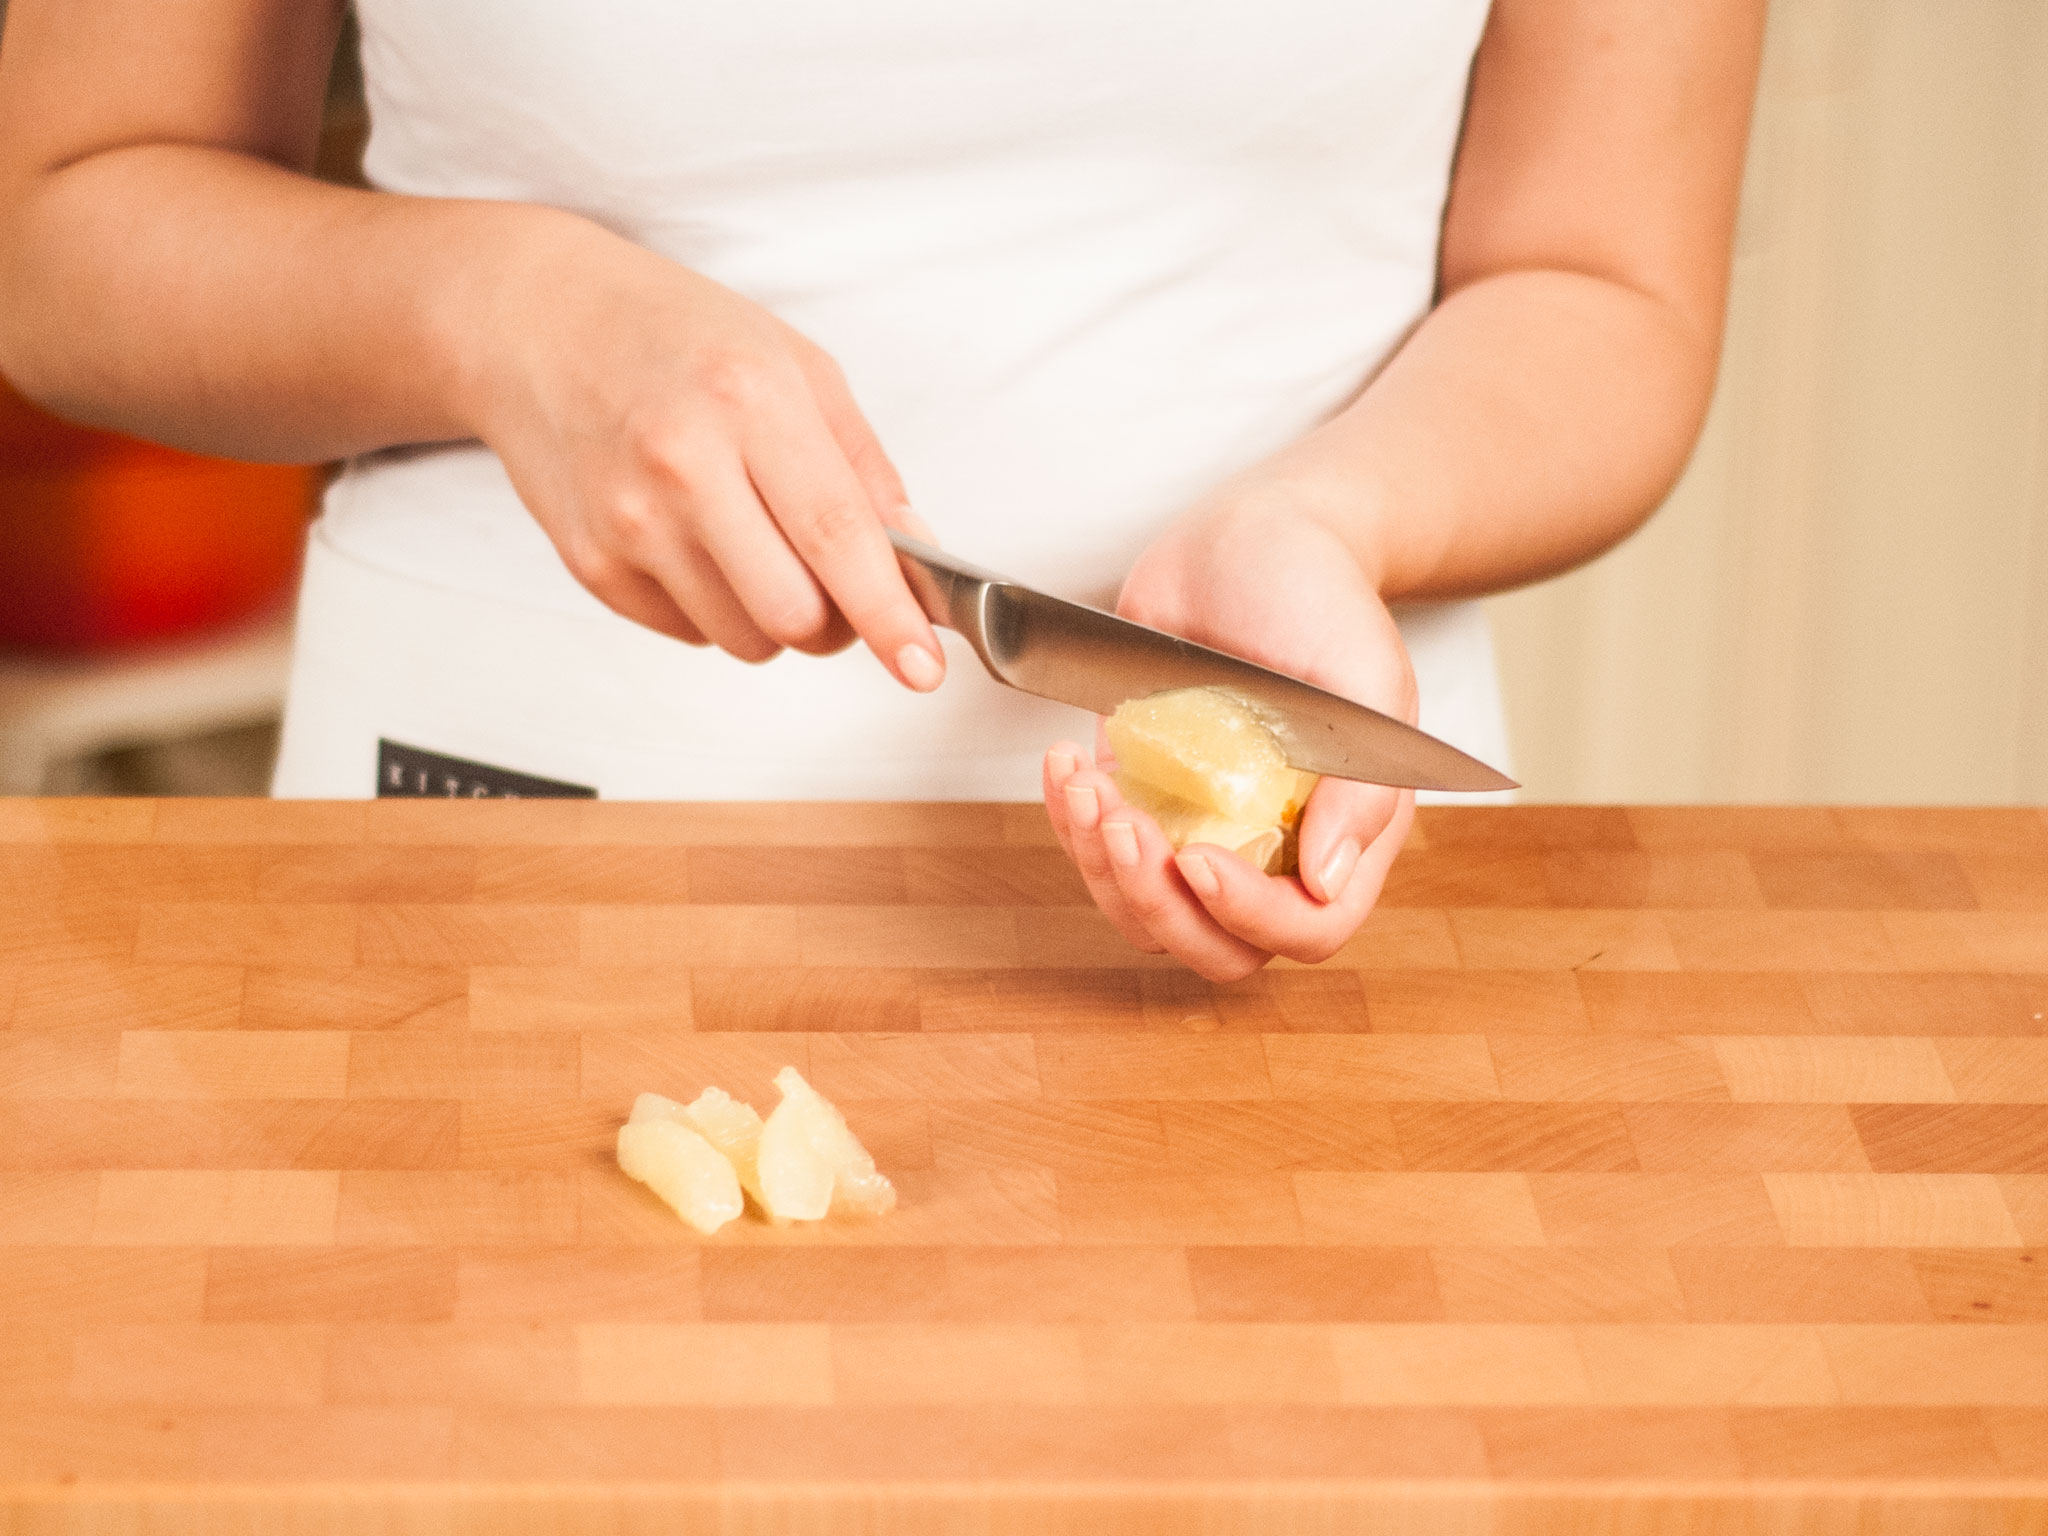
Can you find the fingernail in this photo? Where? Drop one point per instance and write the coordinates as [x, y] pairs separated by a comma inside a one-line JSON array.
[[1121, 838], [1082, 806], [1063, 766], [1199, 873], [1337, 869], [920, 668]]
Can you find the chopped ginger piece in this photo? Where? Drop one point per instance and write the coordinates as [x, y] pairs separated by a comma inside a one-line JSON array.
[[679, 1165], [735, 1130], [810, 1162], [799, 1164], [796, 1178], [652, 1106], [1208, 769]]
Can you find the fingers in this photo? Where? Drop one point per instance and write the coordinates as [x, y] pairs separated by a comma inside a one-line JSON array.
[[762, 531], [1155, 895], [1105, 758], [1281, 915], [666, 429], [1342, 819], [698, 588], [708, 538], [823, 509], [863, 450], [1127, 865], [1205, 906], [639, 597], [780, 595], [1212, 579], [1084, 799], [1062, 761]]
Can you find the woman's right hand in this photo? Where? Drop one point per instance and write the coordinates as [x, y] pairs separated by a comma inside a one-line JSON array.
[[699, 466]]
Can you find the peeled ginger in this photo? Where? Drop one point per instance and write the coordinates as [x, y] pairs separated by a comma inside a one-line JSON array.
[[682, 1167], [798, 1165], [1208, 769], [735, 1130], [810, 1161]]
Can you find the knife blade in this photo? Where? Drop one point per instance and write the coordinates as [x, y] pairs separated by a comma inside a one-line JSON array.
[[1074, 654]]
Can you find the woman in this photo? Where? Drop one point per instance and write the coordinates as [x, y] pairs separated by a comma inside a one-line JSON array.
[[1257, 322]]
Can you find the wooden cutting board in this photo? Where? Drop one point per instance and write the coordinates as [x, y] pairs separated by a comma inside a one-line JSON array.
[[1680, 1163]]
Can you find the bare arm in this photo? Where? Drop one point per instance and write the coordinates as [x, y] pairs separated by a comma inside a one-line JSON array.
[[1537, 415], [1549, 401], [168, 268]]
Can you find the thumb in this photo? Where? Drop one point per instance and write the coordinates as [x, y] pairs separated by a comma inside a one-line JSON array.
[[1342, 819]]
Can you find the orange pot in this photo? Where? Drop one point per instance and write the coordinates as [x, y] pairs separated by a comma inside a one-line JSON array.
[[106, 541]]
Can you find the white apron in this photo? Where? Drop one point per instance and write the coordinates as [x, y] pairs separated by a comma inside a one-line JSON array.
[[1080, 261]]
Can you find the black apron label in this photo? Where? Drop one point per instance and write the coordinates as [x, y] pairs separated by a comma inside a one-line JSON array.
[[411, 773]]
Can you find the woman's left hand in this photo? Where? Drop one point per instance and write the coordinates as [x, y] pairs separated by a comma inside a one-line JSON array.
[[1251, 574]]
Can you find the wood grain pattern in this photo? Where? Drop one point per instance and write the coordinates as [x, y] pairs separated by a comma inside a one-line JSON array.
[[1692, 1162]]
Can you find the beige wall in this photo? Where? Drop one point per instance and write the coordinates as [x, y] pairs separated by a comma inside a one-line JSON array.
[[1846, 599]]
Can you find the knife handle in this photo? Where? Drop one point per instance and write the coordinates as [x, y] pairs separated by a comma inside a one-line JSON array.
[[948, 590]]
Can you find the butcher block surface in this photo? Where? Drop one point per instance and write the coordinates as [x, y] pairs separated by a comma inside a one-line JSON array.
[[1684, 1166]]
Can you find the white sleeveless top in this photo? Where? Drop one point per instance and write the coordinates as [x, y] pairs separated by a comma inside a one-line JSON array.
[[1080, 261]]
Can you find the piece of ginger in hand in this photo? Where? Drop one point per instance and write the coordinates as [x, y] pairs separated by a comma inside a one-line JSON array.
[[1208, 769]]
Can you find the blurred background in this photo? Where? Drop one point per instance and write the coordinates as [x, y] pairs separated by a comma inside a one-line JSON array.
[[1846, 598], [145, 595]]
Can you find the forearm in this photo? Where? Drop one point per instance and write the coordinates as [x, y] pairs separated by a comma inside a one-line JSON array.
[[1532, 421], [218, 302]]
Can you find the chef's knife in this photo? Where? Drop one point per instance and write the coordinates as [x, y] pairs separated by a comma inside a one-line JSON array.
[[1082, 656]]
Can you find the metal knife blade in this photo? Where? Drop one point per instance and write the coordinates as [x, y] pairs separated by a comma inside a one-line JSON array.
[[1078, 655]]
